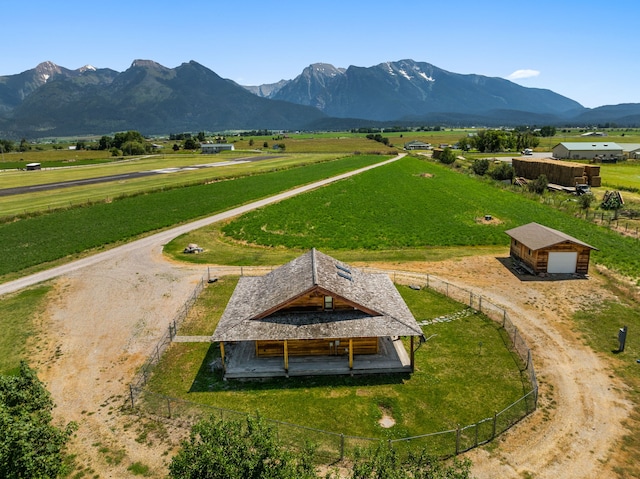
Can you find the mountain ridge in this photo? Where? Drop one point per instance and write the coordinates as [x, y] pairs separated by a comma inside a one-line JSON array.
[[51, 100]]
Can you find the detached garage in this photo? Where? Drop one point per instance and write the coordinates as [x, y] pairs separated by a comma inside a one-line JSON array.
[[540, 249]]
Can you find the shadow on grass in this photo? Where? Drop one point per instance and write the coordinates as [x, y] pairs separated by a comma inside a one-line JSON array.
[[209, 379]]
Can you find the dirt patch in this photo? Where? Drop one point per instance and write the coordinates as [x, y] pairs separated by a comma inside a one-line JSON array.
[[488, 220], [386, 421], [104, 321]]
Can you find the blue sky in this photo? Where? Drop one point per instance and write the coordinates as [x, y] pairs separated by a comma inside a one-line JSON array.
[[585, 50]]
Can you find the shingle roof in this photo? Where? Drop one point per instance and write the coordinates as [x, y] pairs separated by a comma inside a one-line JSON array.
[[252, 312], [536, 236]]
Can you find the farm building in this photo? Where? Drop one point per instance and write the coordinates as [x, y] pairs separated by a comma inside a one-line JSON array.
[[586, 150], [33, 166], [564, 173], [216, 147], [315, 316], [417, 145], [540, 249], [631, 150]]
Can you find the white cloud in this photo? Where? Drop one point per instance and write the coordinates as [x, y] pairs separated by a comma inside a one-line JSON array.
[[520, 74]]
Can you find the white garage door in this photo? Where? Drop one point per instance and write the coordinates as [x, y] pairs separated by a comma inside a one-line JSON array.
[[562, 262]]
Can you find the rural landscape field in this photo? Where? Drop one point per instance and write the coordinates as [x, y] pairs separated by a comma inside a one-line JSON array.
[[92, 329]]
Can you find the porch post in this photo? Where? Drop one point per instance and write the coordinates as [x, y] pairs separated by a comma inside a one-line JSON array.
[[412, 355], [350, 353], [286, 356], [224, 367]]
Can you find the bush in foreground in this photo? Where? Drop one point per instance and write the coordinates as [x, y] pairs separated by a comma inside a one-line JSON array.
[[250, 450]]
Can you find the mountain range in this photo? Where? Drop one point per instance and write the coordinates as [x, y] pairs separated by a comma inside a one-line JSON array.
[[50, 100]]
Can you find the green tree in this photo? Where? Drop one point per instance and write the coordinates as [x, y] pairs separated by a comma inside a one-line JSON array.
[[7, 146], [134, 148], [503, 171], [30, 446], [447, 156], [465, 143], [539, 185], [548, 131], [480, 166], [201, 136], [24, 145], [191, 144], [105, 142], [585, 201], [238, 450]]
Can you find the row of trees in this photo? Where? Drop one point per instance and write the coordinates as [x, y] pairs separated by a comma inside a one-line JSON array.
[[7, 146], [250, 450], [491, 141]]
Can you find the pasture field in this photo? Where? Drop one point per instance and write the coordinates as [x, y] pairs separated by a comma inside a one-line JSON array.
[[455, 382], [36, 201], [18, 316], [49, 157], [622, 176], [416, 204], [35, 241]]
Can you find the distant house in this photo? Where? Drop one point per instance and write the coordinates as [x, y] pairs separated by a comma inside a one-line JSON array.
[[586, 150], [540, 249], [315, 316], [208, 148], [417, 145], [33, 166]]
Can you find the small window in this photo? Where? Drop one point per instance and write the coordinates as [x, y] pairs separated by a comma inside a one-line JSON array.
[[328, 303]]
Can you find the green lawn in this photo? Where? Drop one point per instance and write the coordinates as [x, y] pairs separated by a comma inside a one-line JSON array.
[[416, 204], [464, 373]]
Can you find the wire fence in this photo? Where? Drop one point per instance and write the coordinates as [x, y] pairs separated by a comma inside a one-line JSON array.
[[332, 446], [142, 377]]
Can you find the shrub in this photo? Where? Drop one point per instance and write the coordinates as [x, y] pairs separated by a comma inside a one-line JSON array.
[[502, 171], [447, 156], [480, 166], [538, 186]]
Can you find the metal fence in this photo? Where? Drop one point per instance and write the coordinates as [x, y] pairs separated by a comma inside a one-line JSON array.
[[141, 378], [334, 446]]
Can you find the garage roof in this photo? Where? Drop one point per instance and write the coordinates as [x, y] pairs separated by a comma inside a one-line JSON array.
[[536, 236]]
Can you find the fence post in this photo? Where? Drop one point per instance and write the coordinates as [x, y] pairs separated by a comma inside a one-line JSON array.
[[169, 408], [131, 395], [470, 299], [495, 423], [480, 304], [458, 440], [528, 358], [447, 289], [428, 276], [477, 427], [341, 447]]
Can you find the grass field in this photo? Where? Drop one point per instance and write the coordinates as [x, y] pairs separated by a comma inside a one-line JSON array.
[[456, 380], [36, 201], [416, 204], [18, 313], [35, 241]]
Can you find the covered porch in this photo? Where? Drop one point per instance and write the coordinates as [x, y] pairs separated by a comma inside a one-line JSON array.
[[241, 362]]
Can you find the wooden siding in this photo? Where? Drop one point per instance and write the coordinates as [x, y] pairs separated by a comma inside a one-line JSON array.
[[316, 347], [314, 301], [538, 260]]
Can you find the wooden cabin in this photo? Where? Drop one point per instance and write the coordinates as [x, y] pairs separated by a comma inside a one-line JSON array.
[[313, 312], [540, 249]]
